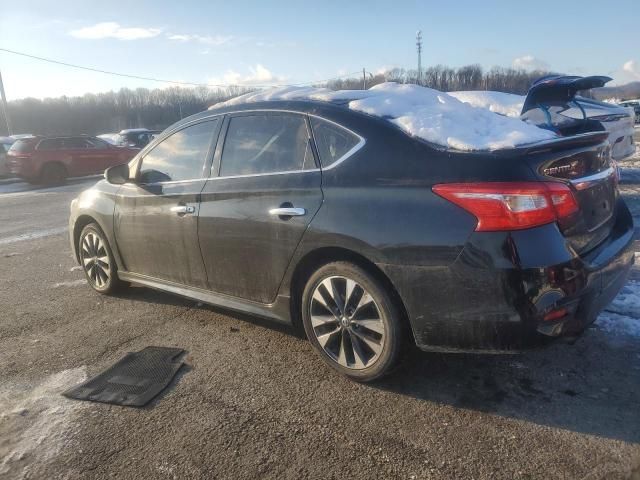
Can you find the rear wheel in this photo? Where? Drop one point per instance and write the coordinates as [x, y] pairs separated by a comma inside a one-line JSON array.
[[53, 174], [97, 260], [352, 321]]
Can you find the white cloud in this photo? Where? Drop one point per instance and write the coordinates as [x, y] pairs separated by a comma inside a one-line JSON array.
[[114, 30], [212, 40], [529, 62], [258, 75], [633, 68]]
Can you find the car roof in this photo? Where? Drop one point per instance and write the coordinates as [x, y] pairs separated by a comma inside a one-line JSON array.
[[54, 137], [304, 106], [300, 105], [134, 130]]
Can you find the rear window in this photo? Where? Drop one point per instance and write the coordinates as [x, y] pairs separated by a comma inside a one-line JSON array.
[[22, 146], [333, 141]]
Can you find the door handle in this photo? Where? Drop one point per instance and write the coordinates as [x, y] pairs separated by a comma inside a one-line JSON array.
[[183, 209], [287, 212]]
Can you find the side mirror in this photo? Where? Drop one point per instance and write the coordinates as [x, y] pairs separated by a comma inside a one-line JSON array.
[[117, 175]]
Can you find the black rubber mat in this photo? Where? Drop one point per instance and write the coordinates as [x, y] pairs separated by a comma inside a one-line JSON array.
[[134, 380]]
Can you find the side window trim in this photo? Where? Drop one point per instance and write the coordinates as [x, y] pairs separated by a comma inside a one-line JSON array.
[[312, 145], [214, 172], [361, 143], [207, 163], [217, 163]]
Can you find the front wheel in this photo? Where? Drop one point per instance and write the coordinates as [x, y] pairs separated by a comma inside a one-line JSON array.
[[97, 260], [352, 321]]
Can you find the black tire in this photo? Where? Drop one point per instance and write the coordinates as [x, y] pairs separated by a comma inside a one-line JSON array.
[[53, 174], [322, 321], [97, 261]]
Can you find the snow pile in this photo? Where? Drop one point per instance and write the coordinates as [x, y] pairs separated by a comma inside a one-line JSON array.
[[622, 316], [507, 104], [36, 422], [628, 301], [619, 325], [422, 112]]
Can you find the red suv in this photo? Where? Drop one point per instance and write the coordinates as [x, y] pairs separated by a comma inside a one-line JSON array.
[[51, 160]]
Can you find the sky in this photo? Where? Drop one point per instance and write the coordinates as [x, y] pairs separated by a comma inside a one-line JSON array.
[[292, 42]]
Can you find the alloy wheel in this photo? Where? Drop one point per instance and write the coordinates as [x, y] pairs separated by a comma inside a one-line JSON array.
[[95, 260], [346, 322]]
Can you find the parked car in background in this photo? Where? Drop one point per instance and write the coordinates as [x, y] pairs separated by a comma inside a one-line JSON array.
[[5, 144], [132, 137], [137, 137], [635, 104], [352, 225], [51, 160], [112, 138], [552, 102]]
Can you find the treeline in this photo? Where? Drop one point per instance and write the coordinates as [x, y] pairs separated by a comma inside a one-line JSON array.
[[629, 91], [113, 111], [108, 112], [447, 79]]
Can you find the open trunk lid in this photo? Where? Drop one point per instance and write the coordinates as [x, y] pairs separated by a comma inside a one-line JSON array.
[[559, 89], [584, 163]]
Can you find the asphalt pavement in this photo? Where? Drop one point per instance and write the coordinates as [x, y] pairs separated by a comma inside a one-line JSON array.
[[255, 400]]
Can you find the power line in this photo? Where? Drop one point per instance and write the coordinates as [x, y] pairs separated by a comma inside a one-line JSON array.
[[152, 79]]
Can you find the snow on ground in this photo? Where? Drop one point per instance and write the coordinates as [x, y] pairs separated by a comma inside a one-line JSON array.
[[619, 325], [621, 318], [628, 301], [422, 112], [507, 104], [36, 421]]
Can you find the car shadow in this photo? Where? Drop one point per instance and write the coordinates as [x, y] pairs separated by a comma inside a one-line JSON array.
[[590, 387]]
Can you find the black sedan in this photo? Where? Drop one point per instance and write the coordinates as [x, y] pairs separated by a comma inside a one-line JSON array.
[[311, 214]]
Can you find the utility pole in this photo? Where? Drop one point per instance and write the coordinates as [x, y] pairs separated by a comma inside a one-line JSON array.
[[419, 47], [364, 79], [5, 110]]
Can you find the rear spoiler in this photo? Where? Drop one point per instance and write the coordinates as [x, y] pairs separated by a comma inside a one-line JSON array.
[[556, 144], [566, 143], [559, 89]]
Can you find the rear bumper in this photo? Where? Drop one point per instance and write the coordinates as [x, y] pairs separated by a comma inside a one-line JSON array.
[[496, 295], [22, 167]]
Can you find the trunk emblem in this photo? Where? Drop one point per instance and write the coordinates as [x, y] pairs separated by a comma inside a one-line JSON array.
[[555, 170]]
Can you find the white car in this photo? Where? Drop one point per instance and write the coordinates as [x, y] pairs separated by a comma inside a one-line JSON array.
[[552, 103], [635, 105]]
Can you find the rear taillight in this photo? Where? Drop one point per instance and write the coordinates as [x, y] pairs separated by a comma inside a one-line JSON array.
[[511, 205]]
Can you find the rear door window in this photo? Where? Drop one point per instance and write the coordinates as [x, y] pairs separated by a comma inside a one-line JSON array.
[[266, 143], [180, 156], [333, 141]]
